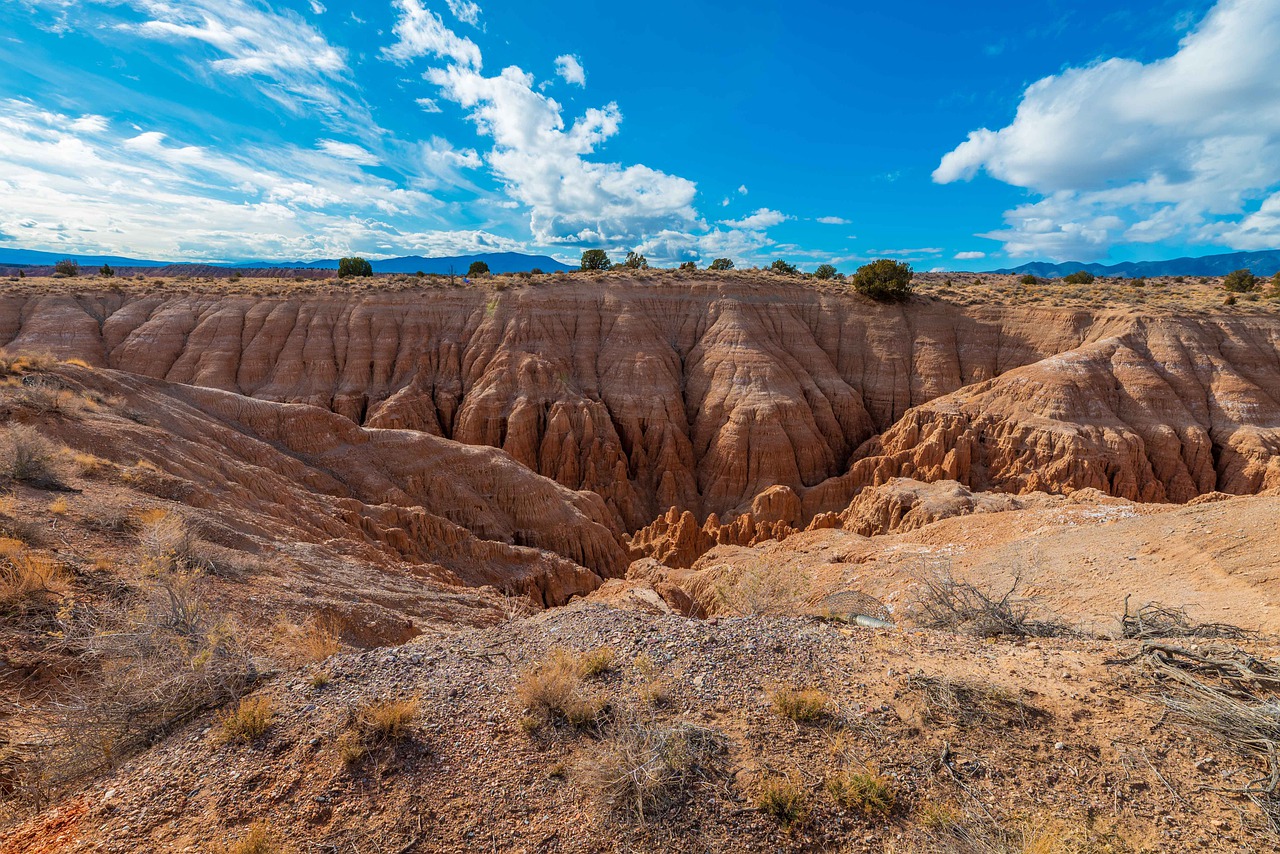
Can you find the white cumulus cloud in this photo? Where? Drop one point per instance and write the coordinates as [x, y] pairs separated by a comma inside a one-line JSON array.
[[833, 220], [970, 256], [571, 70], [1184, 147], [763, 218]]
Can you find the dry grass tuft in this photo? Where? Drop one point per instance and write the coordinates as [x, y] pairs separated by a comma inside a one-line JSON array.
[[783, 799], [29, 582], [248, 721], [802, 706], [595, 662], [375, 726], [867, 792], [27, 457], [647, 766], [167, 544], [258, 839], [317, 639], [555, 691]]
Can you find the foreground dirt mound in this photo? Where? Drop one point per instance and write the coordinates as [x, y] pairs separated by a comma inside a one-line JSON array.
[[656, 391], [1037, 744]]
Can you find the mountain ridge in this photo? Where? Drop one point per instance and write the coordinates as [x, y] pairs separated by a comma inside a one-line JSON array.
[[499, 262], [1262, 263]]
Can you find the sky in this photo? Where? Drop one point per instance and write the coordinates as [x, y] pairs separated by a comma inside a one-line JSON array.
[[949, 135]]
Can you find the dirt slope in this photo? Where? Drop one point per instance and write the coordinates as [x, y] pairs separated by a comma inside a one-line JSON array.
[[1071, 756]]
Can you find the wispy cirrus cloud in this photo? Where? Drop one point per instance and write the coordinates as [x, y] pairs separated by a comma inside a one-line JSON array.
[[91, 185], [420, 32]]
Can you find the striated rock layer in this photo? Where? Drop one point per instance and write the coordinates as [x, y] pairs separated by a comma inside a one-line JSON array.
[[702, 394], [458, 515]]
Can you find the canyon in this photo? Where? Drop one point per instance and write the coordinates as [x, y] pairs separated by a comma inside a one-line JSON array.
[[654, 393], [445, 485]]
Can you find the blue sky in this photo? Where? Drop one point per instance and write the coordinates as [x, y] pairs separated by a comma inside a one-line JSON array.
[[951, 135]]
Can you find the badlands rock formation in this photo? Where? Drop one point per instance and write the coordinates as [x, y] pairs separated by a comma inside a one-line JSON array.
[[460, 515], [700, 394]]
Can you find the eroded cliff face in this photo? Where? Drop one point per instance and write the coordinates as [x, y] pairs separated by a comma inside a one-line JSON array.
[[405, 501], [701, 395]]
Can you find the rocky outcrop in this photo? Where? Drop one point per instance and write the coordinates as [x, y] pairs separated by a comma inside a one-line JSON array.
[[676, 539], [904, 505]]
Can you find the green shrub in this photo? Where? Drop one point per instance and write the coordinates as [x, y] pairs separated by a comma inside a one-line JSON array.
[[1240, 281], [689, 266], [106, 272], [67, 267], [353, 267], [884, 280], [721, 264], [477, 268], [595, 259], [635, 261], [1080, 277], [824, 271], [1028, 279], [783, 268]]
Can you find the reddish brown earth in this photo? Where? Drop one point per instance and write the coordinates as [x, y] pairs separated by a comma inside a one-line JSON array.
[[700, 394], [437, 466]]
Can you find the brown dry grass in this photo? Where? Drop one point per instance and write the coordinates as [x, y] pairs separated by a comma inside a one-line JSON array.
[[248, 721], [555, 689], [29, 581], [377, 725], [801, 706]]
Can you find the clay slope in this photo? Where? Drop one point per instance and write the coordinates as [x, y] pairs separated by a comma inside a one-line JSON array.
[[456, 514]]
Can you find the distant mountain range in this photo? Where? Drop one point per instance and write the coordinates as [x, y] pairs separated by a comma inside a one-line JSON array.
[[499, 262], [1261, 263]]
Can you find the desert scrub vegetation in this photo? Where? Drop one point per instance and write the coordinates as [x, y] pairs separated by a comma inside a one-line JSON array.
[[28, 457], [248, 721], [556, 690], [969, 702], [258, 839], [866, 792], [147, 661], [802, 705], [314, 640], [375, 726], [646, 766], [761, 589], [944, 602], [784, 799], [167, 544], [30, 582]]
